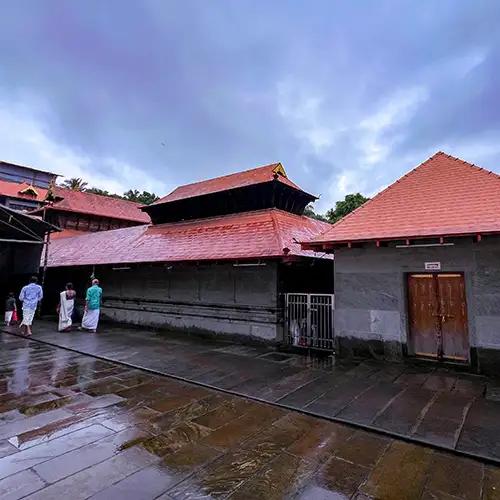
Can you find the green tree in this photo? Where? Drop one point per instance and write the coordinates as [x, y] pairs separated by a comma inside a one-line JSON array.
[[309, 212], [102, 192], [75, 184], [95, 190], [346, 206], [145, 198]]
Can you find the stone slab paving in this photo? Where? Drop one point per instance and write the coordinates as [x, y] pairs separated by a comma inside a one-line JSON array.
[[77, 427], [428, 404]]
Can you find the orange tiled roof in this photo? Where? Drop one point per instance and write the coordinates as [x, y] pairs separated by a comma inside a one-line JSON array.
[[240, 179], [96, 204], [443, 196], [269, 233]]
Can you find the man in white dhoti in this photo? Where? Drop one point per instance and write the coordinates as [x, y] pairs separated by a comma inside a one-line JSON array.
[[30, 296], [66, 307], [92, 307]]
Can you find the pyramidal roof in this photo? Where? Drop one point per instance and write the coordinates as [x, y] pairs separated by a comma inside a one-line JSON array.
[[443, 196]]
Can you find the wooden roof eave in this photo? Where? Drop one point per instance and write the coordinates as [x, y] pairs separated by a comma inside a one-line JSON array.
[[321, 246]]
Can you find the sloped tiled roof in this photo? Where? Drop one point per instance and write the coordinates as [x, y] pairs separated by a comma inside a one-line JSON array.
[[443, 196], [66, 233], [237, 180], [15, 190], [96, 204], [250, 235]]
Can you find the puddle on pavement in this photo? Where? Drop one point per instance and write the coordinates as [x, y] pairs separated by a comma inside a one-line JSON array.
[[204, 443], [47, 406]]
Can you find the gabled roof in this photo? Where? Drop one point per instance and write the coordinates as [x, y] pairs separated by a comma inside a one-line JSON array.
[[22, 191], [443, 196], [269, 233], [237, 180], [27, 167], [96, 204]]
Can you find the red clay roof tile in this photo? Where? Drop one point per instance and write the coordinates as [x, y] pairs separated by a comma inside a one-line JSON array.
[[240, 179], [95, 204], [250, 235], [443, 196]]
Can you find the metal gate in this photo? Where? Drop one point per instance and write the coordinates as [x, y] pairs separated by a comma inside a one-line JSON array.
[[309, 320]]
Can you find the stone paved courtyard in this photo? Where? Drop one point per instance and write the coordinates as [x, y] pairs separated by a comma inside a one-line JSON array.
[[446, 408], [73, 426]]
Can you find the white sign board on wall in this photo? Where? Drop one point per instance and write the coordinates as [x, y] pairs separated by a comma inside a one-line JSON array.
[[433, 266]]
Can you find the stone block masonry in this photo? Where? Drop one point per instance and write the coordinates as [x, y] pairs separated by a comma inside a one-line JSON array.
[[215, 298], [371, 316]]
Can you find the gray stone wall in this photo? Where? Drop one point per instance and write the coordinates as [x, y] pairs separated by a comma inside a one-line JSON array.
[[214, 298], [371, 300]]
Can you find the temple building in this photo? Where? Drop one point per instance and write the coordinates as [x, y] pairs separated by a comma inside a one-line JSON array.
[[417, 268], [218, 258], [35, 191], [24, 188]]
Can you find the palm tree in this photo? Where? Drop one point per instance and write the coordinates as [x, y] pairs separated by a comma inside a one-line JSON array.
[[75, 184]]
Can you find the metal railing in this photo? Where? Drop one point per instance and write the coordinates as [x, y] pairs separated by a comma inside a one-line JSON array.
[[309, 320]]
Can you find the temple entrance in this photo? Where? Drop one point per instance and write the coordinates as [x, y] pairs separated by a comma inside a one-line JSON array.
[[309, 320], [438, 316]]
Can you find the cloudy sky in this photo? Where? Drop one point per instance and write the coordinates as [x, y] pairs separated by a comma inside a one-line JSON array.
[[152, 94]]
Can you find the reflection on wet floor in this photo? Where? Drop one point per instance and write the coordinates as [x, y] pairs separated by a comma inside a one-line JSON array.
[[75, 427], [428, 403]]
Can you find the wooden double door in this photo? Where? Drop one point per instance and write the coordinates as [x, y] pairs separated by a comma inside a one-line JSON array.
[[438, 316]]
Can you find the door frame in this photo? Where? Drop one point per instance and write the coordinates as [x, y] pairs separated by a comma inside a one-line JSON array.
[[409, 351]]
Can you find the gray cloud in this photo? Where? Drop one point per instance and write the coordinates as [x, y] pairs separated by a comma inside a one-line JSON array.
[[347, 95]]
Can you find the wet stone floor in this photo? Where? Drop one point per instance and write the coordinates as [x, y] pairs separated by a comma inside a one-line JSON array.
[[75, 427], [430, 404]]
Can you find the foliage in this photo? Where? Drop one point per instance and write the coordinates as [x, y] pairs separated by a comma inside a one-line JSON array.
[[145, 197], [78, 184], [347, 205], [309, 212], [102, 192], [75, 184]]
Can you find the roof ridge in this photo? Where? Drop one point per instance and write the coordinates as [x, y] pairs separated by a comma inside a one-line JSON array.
[[473, 165], [381, 193], [277, 229], [86, 193], [229, 175]]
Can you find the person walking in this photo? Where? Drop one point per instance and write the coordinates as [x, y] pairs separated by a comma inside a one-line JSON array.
[[92, 307], [10, 308], [65, 308], [30, 296]]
